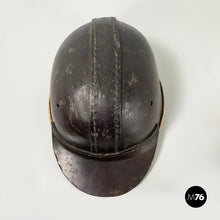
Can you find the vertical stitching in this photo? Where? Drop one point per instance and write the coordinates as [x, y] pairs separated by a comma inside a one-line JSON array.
[[117, 107], [93, 131]]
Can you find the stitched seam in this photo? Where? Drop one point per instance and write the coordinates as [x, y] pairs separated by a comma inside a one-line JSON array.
[[117, 107], [94, 133]]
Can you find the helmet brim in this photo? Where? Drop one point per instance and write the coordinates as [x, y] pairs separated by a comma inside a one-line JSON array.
[[107, 176]]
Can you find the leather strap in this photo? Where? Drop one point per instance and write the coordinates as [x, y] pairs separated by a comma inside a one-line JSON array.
[[105, 87]]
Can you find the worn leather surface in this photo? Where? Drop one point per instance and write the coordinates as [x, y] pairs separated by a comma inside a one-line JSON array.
[[106, 105], [105, 91], [107, 176]]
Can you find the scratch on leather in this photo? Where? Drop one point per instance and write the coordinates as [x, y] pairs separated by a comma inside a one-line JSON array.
[[93, 41], [117, 107]]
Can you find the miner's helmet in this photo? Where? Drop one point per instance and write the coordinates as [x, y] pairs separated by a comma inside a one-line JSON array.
[[106, 107]]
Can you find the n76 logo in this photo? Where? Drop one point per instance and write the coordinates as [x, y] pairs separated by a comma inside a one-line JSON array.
[[195, 196]]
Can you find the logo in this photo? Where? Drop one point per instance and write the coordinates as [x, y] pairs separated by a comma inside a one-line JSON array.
[[195, 196]]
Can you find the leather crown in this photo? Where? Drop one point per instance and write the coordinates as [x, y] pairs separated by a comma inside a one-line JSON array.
[[106, 97]]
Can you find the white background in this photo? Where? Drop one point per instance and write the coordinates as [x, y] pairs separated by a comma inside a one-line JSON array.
[[185, 38]]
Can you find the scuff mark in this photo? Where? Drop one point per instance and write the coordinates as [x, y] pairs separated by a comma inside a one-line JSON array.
[[71, 49], [69, 68], [62, 103], [133, 80]]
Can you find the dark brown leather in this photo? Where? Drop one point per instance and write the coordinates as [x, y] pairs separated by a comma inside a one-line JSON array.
[[106, 103], [110, 176]]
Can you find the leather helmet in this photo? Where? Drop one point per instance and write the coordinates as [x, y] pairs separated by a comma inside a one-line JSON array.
[[106, 107]]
